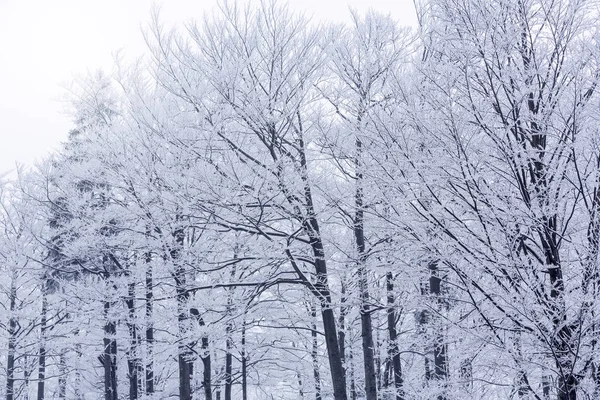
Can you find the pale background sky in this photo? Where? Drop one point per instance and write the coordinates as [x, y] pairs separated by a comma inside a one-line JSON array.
[[45, 43]]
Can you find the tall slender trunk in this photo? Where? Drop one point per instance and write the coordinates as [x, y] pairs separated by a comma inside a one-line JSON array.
[[184, 356], [393, 351], [228, 361], [350, 357], [204, 356], [149, 327], [229, 343], [218, 386], [12, 342], [62, 375], [422, 320], [77, 384], [133, 361], [342, 323], [363, 285], [321, 286], [338, 375], [109, 356], [244, 360], [591, 279], [314, 353], [42, 352], [440, 360], [26, 376]]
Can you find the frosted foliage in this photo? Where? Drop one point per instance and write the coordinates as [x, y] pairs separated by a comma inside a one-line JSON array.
[[263, 207]]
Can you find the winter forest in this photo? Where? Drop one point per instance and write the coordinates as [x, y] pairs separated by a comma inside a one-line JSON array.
[[266, 207]]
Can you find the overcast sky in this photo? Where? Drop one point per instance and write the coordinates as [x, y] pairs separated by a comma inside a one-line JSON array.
[[45, 43]]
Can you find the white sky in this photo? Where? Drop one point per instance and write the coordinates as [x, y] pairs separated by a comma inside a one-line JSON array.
[[45, 43]]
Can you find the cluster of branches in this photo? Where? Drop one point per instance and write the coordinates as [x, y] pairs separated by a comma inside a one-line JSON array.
[[264, 207]]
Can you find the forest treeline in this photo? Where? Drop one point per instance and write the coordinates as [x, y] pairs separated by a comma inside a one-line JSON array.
[[264, 207]]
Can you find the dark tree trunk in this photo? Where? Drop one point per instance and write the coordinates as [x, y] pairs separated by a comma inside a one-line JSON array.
[[204, 356], [338, 375], [62, 376], [342, 323], [42, 354], [149, 327], [314, 354], [567, 387], [311, 228], [133, 361], [244, 361], [440, 361], [12, 344], [218, 387], [365, 312], [207, 374], [350, 358], [184, 356], [109, 357], [228, 362], [185, 388], [26, 376], [185, 368], [393, 351]]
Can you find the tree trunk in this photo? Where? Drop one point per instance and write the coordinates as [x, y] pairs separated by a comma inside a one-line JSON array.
[[244, 361], [567, 387], [77, 388], [350, 357], [228, 361], [338, 375], [363, 285], [314, 354], [149, 327], [109, 357], [184, 356], [133, 361], [207, 373], [204, 356], [62, 376], [42, 353], [12, 343], [440, 361], [311, 228], [185, 389], [229, 343], [393, 351]]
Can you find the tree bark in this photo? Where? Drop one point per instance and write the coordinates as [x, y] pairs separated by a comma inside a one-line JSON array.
[[365, 309], [314, 353], [228, 361], [62, 376], [336, 367], [321, 286], [204, 356], [42, 352], [109, 356], [393, 351], [184, 356], [133, 361], [440, 354], [149, 326], [12, 343], [244, 361]]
